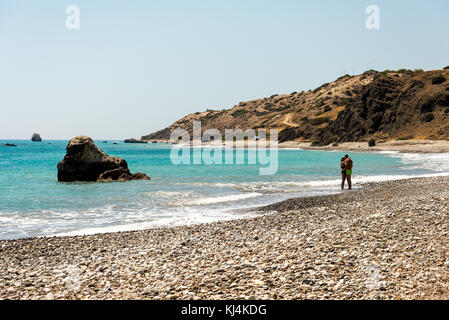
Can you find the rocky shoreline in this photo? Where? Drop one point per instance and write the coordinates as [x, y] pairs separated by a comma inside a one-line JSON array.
[[384, 241], [403, 146]]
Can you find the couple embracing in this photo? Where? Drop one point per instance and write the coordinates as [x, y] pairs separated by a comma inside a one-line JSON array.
[[346, 171]]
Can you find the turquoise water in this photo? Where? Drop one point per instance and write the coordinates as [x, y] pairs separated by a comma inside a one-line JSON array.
[[33, 203]]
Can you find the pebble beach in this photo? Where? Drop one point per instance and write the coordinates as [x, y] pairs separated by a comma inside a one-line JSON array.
[[383, 240]]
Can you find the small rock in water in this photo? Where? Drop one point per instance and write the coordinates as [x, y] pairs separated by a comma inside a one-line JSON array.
[[36, 137], [132, 140]]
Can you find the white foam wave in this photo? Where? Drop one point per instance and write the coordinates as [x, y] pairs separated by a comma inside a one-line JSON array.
[[197, 215], [258, 187], [171, 194], [221, 199], [330, 183], [432, 161], [189, 217]]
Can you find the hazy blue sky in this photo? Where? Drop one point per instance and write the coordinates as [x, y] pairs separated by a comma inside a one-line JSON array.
[[136, 66]]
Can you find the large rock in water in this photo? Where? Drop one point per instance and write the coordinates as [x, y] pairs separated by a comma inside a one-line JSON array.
[[84, 161], [36, 137]]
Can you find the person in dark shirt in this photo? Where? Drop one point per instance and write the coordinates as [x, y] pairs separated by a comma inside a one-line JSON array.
[[343, 172], [346, 165]]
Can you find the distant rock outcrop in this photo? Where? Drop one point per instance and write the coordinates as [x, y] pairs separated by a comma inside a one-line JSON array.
[[393, 106], [84, 161], [36, 137], [9, 145], [132, 140], [387, 105]]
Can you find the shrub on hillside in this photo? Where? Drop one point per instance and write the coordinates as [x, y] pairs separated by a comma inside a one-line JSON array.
[[318, 121], [239, 113], [404, 138], [427, 104], [345, 102], [211, 116], [319, 104], [259, 114], [442, 99], [438, 79], [283, 107], [428, 117], [327, 109]]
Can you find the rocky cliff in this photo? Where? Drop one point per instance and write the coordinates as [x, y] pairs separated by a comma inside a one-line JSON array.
[[386, 105]]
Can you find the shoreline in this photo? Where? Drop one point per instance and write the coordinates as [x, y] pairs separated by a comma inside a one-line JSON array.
[[312, 248], [401, 146]]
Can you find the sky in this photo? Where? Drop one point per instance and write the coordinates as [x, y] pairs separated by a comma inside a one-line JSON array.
[[134, 67]]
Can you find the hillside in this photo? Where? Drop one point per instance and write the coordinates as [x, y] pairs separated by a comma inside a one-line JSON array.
[[386, 105]]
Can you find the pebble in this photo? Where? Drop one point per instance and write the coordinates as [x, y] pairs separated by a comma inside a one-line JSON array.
[[384, 240]]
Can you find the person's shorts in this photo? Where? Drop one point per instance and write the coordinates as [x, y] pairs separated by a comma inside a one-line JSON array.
[[348, 172]]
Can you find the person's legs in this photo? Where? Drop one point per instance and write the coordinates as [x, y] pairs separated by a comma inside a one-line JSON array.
[[349, 182], [343, 178]]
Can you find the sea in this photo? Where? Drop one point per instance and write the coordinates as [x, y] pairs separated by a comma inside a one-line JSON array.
[[33, 203]]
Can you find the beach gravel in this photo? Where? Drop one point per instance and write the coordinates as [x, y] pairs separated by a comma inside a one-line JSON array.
[[384, 241]]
